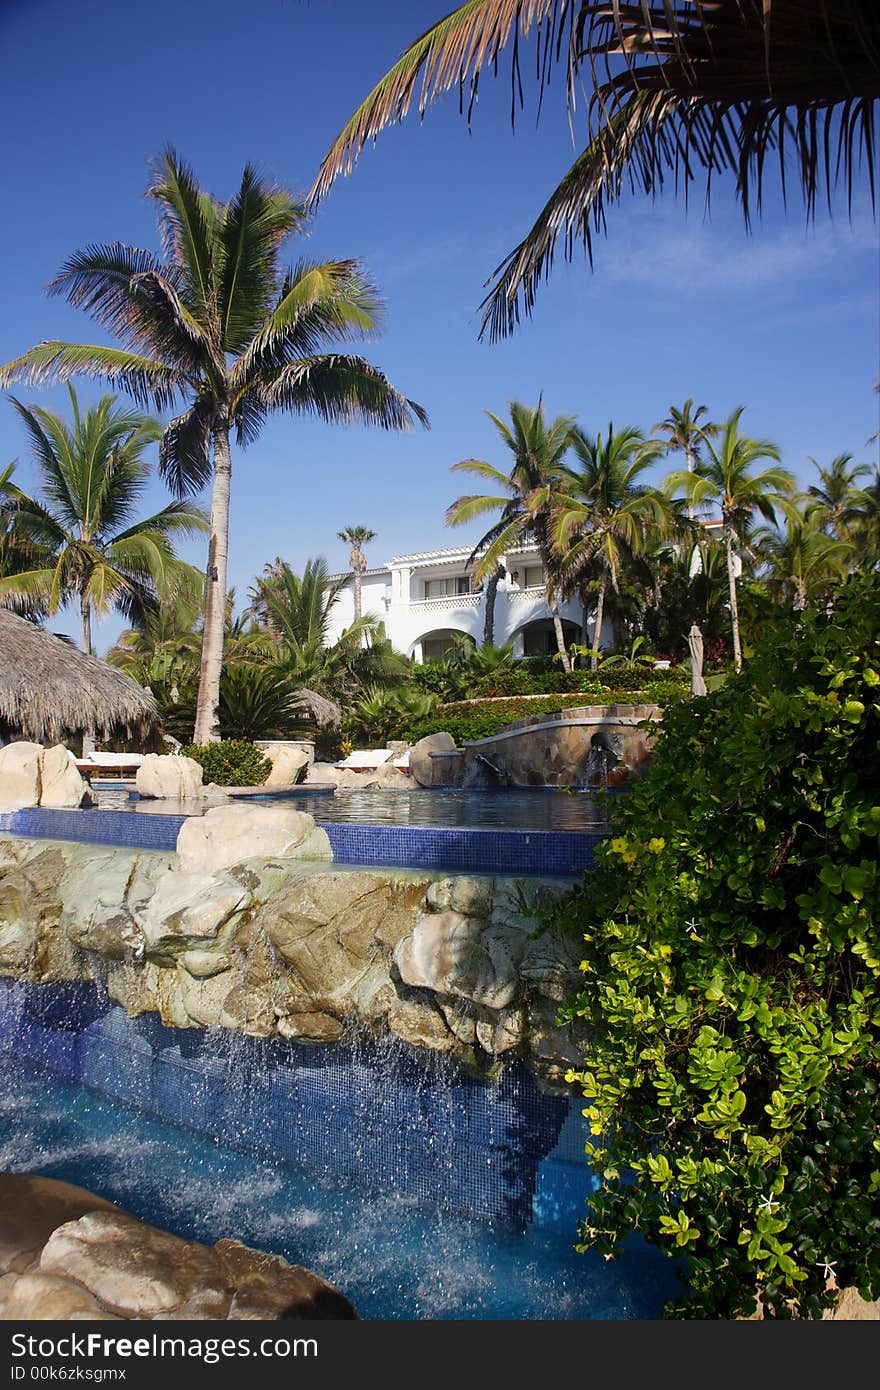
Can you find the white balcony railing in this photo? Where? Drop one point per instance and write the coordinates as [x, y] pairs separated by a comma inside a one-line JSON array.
[[447, 604], [535, 591]]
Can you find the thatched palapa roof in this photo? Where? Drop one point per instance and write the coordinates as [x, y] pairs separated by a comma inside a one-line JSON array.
[[326, 713], [51, 691]]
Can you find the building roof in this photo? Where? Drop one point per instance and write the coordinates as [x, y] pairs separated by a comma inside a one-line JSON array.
[[51, 691]]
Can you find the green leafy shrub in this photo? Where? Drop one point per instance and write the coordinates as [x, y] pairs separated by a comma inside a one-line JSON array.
[[230, 763], [483, 718], [730, 982]]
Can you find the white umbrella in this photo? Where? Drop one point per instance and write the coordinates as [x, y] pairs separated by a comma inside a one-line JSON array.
[[695, 642]]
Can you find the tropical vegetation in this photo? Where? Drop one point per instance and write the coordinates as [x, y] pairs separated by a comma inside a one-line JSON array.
[[729, 1000], [80, 543], [219, 323], [675, 92]]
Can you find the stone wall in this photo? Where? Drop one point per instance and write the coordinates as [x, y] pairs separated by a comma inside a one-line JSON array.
[[299, 949], [590, 745]]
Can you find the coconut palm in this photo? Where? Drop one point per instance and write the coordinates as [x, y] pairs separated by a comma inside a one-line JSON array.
[[525, 497], [838, 503], [802, 562], [684, 433], [724, 480], [491, 583], [220, 323], [17, 555], [87, 550], [673, 86], [604, 516], [357, 537]]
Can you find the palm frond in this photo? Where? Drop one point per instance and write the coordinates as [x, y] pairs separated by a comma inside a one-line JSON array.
[[675, 89], [342, 389], [450, 54], [319, 304], [146, 380], [255, 223], [189, 223], [185, 448], [125, 290]]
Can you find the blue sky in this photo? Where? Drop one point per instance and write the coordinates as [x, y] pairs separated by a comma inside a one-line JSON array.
[[784, 321]]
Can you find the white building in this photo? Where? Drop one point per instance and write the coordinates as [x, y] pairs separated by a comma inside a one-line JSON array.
[[426, 598]]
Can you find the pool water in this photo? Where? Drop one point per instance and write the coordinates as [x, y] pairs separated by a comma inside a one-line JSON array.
[[513, 809], [390, 1255]]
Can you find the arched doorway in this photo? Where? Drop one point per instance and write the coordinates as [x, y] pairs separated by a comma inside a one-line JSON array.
[[538, 638], [437, 644]]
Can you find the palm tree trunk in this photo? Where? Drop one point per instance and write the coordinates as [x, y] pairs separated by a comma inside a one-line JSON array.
[[206, 728], [357, 596], [600, 617], [86, 616], [489, 615], [734, 606], [560, 636], [690, 465], [800, 595]]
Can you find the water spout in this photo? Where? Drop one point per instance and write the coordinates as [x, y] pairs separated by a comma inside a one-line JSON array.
[[602, 759], [484, 773]]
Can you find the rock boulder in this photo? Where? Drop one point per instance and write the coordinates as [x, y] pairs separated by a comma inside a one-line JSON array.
[[288, 766], [67, 1254], [228, 835], [19, 775], [166, 776], [420, 764], [60, 782]]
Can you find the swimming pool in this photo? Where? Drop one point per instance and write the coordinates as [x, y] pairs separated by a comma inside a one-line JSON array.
[[545, 832], [539, 808], [418, 1192]]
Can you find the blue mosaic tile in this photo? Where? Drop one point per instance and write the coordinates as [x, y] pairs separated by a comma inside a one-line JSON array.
[[386, 1119], [543, 852]]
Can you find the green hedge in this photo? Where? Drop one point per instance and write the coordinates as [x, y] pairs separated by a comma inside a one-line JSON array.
[[230, 763], [482, 718]]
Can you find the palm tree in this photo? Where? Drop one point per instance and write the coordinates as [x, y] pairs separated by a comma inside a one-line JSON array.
[[357, 537], [16, 554], [802, 561], [838, 502], [87, 550], [674, 87], [605, 518], [294, 612], [221, 324], [684, 433], [723, 479], [492, 583], [526, 497]]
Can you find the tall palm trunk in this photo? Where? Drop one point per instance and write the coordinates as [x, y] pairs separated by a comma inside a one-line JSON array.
[[357, 595], [206, 728], [691, 464], [86, 617], [600, 618], [489, 614], [560, 636], [734, 606]]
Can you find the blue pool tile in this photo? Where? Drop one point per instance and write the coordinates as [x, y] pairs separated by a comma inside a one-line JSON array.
[[382, 1117], [547, 853]]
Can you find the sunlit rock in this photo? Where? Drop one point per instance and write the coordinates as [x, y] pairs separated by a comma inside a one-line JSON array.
[[19, 775], [170, 777]]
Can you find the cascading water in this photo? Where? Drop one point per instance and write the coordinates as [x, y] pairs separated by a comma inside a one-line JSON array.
[[604, 755], [418, 1191]]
